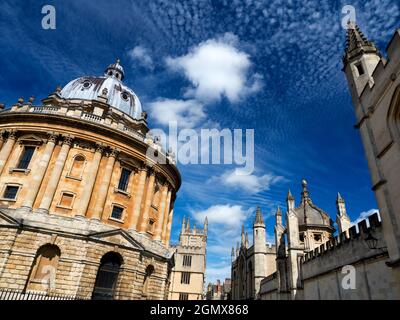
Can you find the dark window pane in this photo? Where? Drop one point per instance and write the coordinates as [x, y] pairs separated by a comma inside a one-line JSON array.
[[117, 212], [124, 179], [107, 276], [26, 157], [10, 192]]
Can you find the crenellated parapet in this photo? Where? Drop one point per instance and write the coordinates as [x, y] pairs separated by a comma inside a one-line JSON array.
[[346, 248]]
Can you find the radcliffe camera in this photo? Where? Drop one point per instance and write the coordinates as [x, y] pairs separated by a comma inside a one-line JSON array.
[[198, 158]]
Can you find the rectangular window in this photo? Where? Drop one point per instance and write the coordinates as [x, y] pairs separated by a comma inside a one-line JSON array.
[[187, 261], [66, 200], [26, 157], [360, 69], [185, 278], [117, 212], [183, 296], [124, 179], [10, 192]]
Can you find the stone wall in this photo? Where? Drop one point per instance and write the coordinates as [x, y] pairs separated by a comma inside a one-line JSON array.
[[79, 261]]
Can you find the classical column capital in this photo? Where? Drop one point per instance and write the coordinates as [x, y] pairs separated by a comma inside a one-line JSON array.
[[68, 139], [12, 134], [114, 152], [100, 147], [53, 136]]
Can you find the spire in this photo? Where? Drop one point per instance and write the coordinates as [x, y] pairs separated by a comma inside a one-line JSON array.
[[188, 225], [289, 201], [340, 206], [205, 225], [233, 254], [259, 217], [243, 236], [237, 249], [246, 241], [357, 43], [278, 216], [183, 225]]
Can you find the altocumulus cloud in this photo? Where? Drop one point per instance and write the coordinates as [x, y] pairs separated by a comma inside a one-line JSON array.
[[141, 55], [248, 183], [217, 68]]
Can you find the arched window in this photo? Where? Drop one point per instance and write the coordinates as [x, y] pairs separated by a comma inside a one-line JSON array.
[[77, 167], [44, 268], [147, 277], [107, 276]]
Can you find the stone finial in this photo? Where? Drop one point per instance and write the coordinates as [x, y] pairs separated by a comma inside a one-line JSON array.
[[144, 115], [20, 100], [31, 99], [58, 89], [2, 106], [104, 92], [289, 195]]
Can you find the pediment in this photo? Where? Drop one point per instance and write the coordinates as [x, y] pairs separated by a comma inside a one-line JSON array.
[[118, 237], [31, 139], [7, 220]]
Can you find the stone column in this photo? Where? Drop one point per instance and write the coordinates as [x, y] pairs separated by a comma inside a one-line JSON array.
[[104, 185], [39, 172], [89, 183], [147, 204], [168, 236], [6, 150], [55, 175], [161, 213], [137, 199], [166, 216]]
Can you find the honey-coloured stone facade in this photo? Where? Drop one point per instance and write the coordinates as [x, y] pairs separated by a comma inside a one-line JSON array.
[[80, 197]]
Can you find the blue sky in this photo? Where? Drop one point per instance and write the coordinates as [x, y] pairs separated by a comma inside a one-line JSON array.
[[282, 78]]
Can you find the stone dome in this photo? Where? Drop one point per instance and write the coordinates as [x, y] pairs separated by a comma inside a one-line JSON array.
[[110, 84]]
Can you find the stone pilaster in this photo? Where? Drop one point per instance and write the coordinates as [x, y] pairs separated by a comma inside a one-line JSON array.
[[2, 138], [149, 197], [56, 174], [104, 185], [39, 172], [89, 183], [161, 213], [169, 226], [137, 199], [6, 150]]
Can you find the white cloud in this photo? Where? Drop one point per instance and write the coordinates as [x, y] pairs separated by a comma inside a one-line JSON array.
[[230, 216], [217, 68], [187, 113], [218, 273], [141, 55], [365, 214], [249, 183]]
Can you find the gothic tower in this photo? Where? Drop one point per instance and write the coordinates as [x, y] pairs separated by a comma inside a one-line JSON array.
[[374, 85], [342, 219]]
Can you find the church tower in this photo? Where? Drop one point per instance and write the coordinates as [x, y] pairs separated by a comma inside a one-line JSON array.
[[260, 252], [188, 274], [360, 60]]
